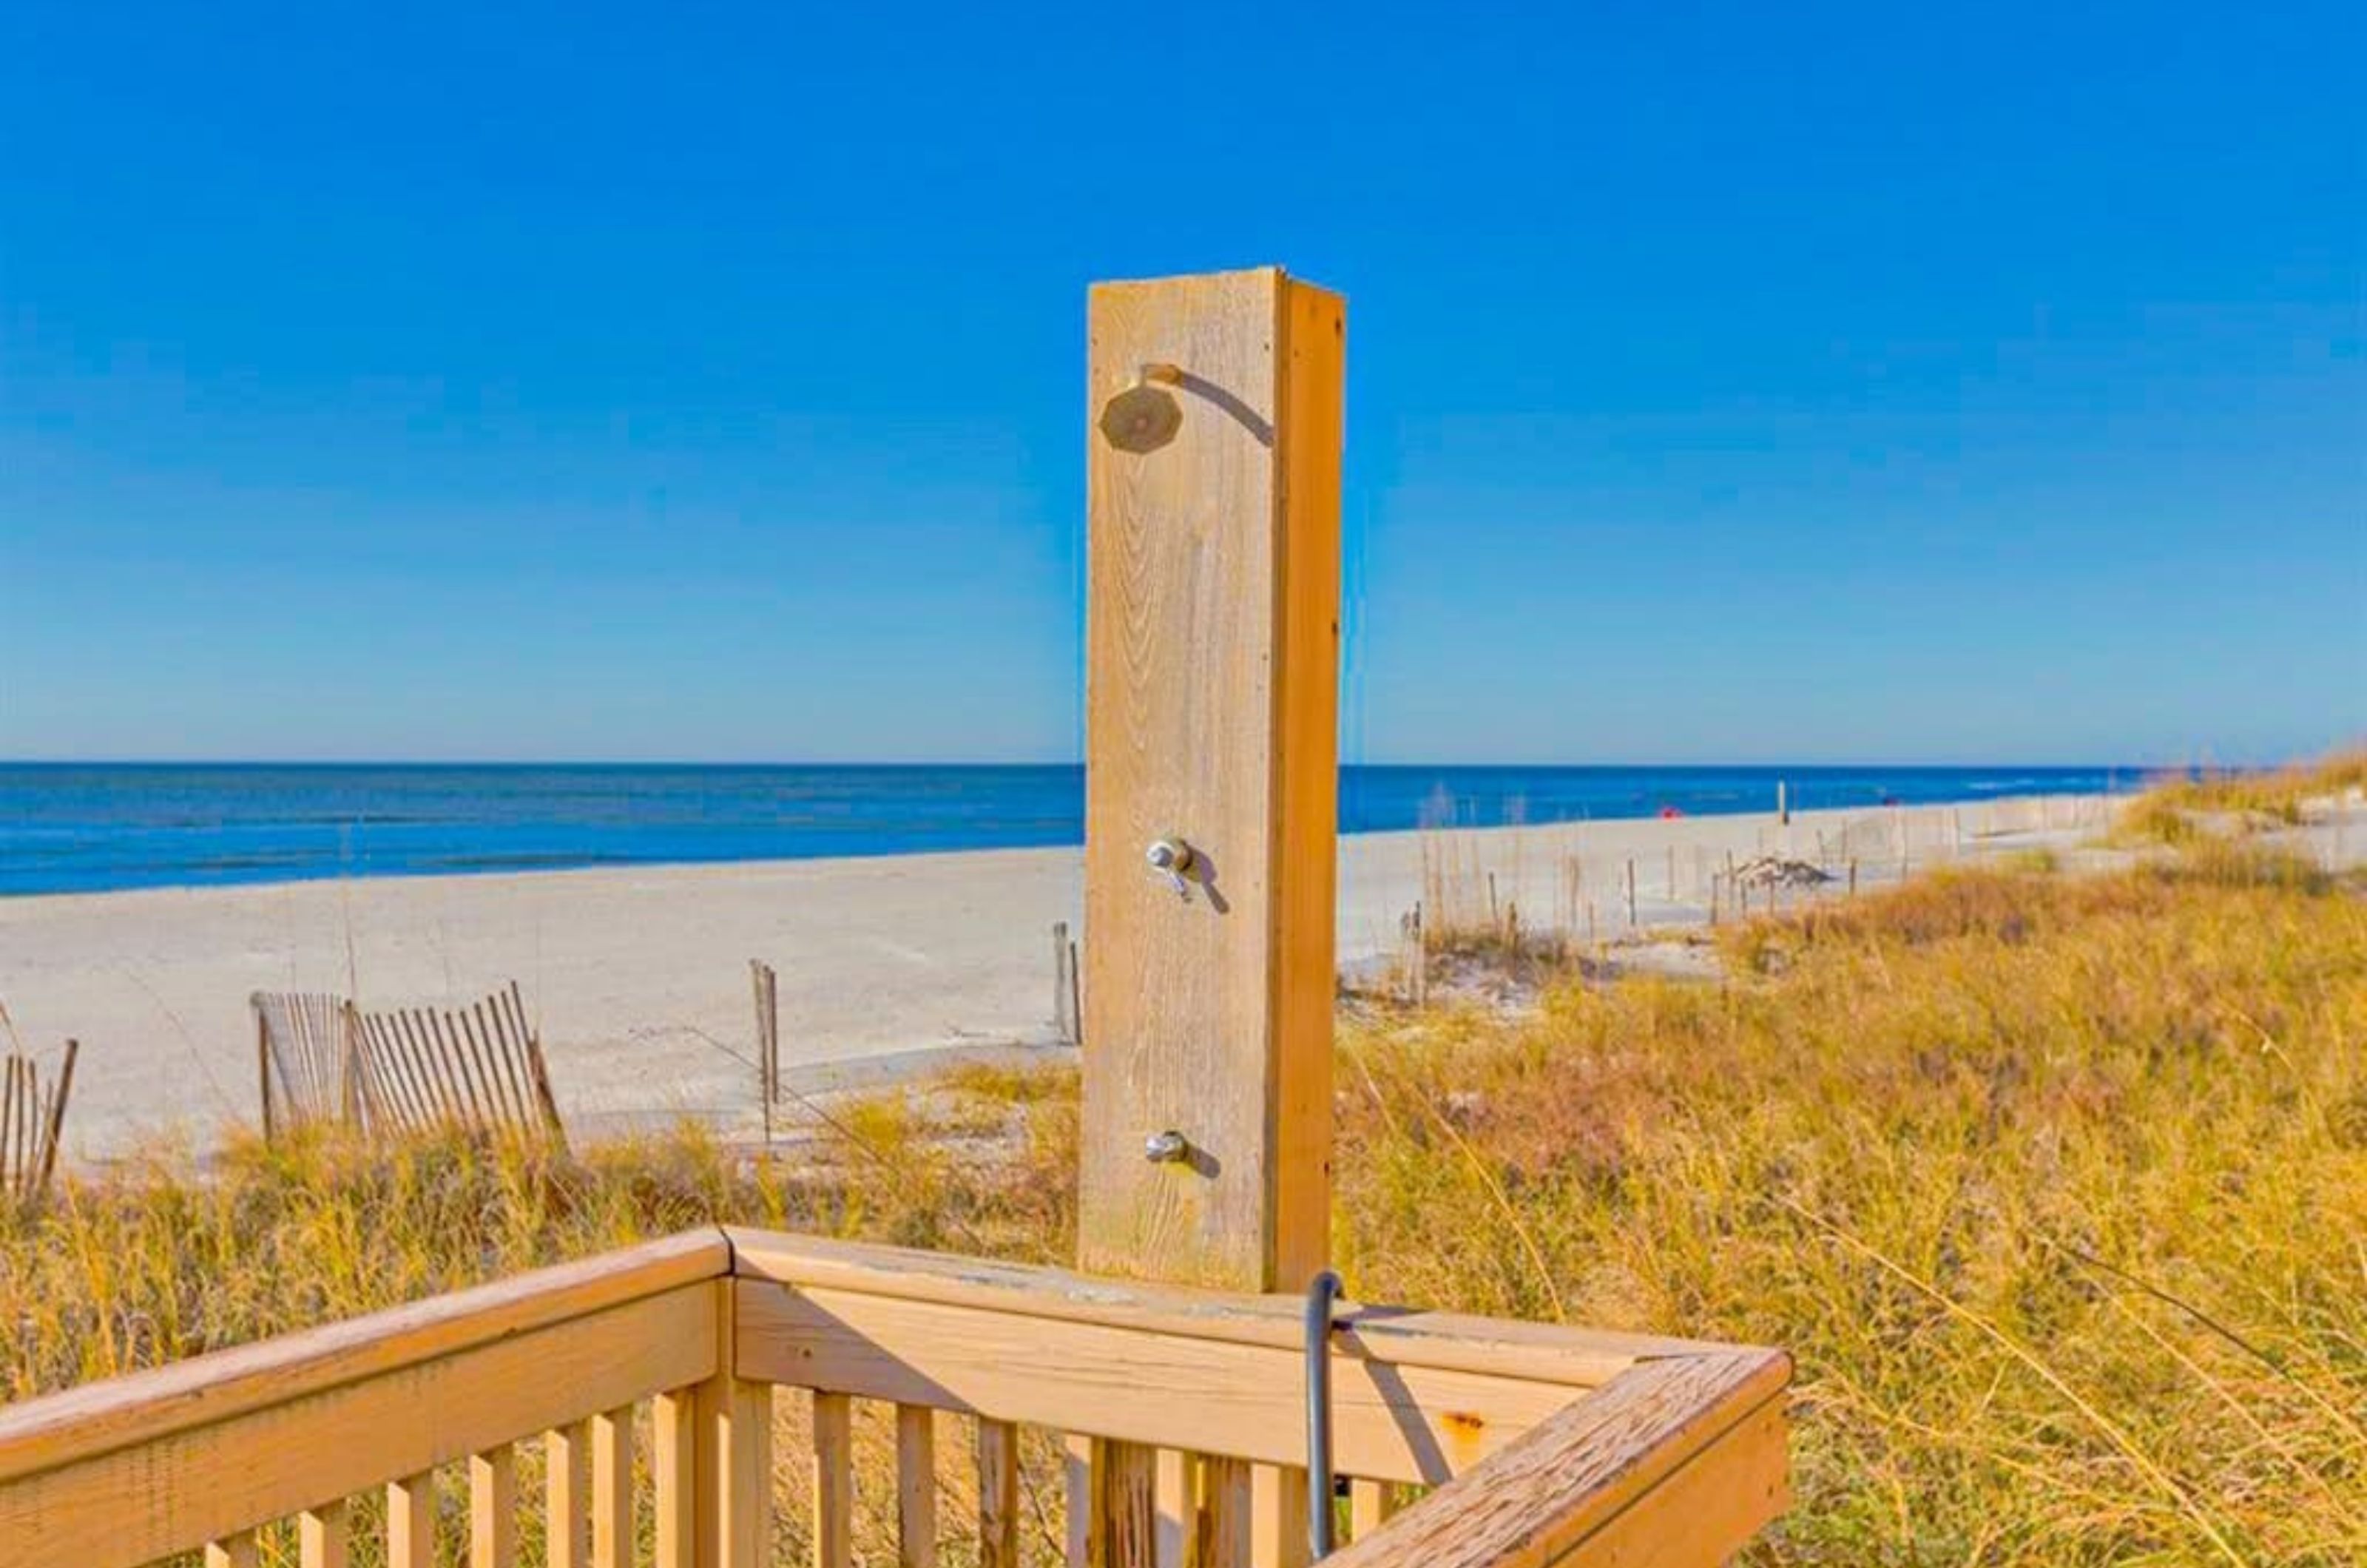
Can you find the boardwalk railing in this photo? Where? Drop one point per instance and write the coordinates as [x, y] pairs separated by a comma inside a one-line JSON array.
[[1543, 1443]]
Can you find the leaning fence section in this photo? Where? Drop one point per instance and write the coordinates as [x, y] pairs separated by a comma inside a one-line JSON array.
[[304, 1059], [396, 1071], [32, 1121], [479, 1066]]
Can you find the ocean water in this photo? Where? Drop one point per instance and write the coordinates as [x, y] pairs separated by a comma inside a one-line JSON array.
[[86, 827]]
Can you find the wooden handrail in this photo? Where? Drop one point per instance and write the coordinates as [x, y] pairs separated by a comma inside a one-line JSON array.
[[1572, 1357], [1565, 1494], [99, 1417], [1552, 1444]]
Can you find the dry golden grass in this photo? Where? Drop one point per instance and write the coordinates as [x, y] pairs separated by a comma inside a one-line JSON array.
[[2186, 811], [2056, 1187]]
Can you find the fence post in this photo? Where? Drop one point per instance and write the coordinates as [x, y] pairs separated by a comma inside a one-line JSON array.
[[767, 987], [263, 1060], [1064, 985], [1211, 720]]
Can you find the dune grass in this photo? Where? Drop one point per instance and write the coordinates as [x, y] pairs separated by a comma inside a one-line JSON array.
[[2184, 809], [2055, 1186]]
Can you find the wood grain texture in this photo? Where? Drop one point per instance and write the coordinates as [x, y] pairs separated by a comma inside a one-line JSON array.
[[232, 1552], [673, 1476], [567, 1496], [832, 1470], [1211, 715], [1309, 439], [998, 1495], [735, 1455], [1591, 1485], [82, 1423], [744, 1503], [916, 1487], [1701, 1515], [195, 1484], [1575, 1357], [1221, 1532], [1123, 1532], [1404, 1423]]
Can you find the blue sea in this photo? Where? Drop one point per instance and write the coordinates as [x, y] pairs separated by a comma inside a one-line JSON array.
[[86, 827]]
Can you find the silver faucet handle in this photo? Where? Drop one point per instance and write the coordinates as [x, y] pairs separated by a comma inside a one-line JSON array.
[[1174, 858]]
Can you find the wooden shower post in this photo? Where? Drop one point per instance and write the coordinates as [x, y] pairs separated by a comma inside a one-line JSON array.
[[1214, 408], [1212, 716]]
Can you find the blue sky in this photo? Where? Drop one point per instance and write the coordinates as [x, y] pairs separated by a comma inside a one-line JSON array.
[[1742, 383]]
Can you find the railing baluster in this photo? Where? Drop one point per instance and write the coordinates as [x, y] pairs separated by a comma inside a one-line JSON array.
[[411, 1521], [1124, 1530], [566, 1493], [492, 1509], [1223, 1513], [998, 1495], [1370, 1504], [736, 1416], [1278, 1506], [232, 1552], [674, 1469], [1077, 1480], [612, 1489], [834, 1479], [321, 1535], [916, 1487], [1176, 1480]]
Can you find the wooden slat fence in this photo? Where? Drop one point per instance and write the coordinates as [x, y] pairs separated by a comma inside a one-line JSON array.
[[32, 1119], [303, 1055], [479, 1066], [402, 1070]]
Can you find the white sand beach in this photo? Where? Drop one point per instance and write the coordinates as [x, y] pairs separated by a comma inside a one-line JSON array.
[[638, 978]]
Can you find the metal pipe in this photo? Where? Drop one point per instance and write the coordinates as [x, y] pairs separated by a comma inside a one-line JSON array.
[[1321, 1292]]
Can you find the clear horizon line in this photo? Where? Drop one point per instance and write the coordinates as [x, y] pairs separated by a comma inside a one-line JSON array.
[[389, 761]]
